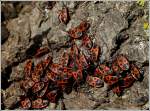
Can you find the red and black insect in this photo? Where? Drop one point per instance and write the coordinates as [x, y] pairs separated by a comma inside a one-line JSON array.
[[38, 69], [123, 62], [38, 86], [52, 96], [77, 75], [111, 79], [43, 91], [62, 84], [94, 81], [86, 42], [64, 60], [39, 103], [78, 31], [83, 60], [28, 68], [26, 103], [120, 64], [64, 15], [51, 76], [27, 83], [46, 62], [74, 52], [135, 72], [95, 51], [42, 51], [102, 70], [47, 80], [117, 90], [131, 77], [35, 78], [127, 81]]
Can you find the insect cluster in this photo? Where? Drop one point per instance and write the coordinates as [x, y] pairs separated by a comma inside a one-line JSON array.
[[46, 81]]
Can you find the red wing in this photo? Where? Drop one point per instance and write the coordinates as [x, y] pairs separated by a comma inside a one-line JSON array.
[[110, 79], [39, 103], [28, 68], [135, 72], [52, 96], [123, 63], [26, 103], [127, 81], [37, 87], [42, 51]]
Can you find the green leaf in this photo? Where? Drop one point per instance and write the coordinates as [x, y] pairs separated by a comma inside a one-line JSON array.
[[145, 25], [141, 2]]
